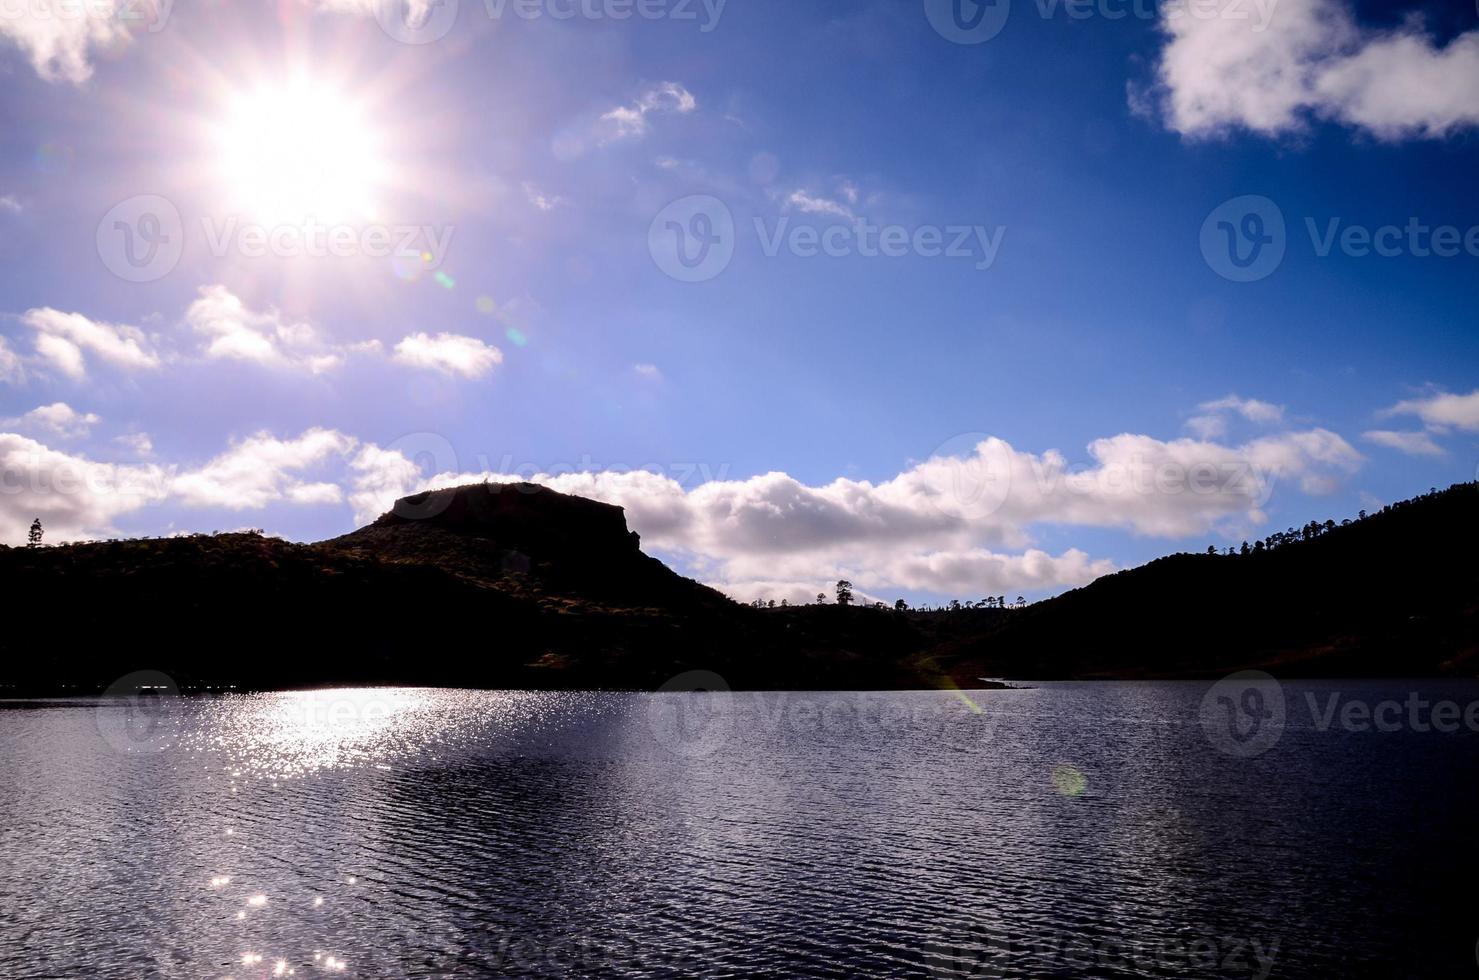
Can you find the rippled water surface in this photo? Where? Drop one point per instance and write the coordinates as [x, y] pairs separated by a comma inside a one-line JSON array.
[[1066, 830]]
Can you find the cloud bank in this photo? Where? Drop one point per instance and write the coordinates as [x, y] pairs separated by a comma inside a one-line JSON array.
[[951, 524], [956, 524], [1272, 68], [219, 326], [1442, 410]]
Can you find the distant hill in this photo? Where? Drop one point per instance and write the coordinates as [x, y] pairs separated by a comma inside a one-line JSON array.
[[1392, 594], [516, 585]]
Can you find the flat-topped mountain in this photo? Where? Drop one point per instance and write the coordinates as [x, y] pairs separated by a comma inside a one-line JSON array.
[[518, 515], [523, 536]]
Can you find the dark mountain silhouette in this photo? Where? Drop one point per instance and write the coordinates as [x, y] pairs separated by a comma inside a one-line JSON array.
[[1392, 594], [491, 585], [515, 585]]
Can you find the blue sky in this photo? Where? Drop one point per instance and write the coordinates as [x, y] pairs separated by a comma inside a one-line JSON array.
[[929, 425]]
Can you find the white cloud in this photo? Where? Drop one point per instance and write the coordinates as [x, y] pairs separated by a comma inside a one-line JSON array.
[[968, 576], [380, 477], [78, 497], [11, 369], [260, 470], [62, 339], [1411, 443], [541, 200], [61, 37], [815, 204], [62, 354], [1442, 409], [315, 493], [72, 495], [648, 372], [978, 571], [138, 443], [1213, 423], [449, 353], [1269, 67], [1249, 408], [58, 36], [58, 418], [1317, 459], [231, 330], [11, 203], [237, 333], [1207, 426], [794, 593], [630, 121]]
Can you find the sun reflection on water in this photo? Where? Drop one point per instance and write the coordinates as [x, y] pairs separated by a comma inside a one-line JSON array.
[[328, 759], [297, 733]]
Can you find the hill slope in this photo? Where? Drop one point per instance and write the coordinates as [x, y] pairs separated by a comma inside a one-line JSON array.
[[1396, 593]]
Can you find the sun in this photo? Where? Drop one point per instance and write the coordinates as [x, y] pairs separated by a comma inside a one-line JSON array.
[[299, 151]]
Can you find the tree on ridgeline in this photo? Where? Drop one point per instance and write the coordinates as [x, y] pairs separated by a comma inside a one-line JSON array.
[[821, 598], [901, 605], [33, 540], [844, 592]]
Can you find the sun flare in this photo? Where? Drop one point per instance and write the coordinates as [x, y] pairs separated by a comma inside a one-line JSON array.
[[299, 151]]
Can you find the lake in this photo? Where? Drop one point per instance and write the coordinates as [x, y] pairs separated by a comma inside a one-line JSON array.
[[1069, 829]]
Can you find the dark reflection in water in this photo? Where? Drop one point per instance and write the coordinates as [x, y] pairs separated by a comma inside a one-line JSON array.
[[1068, 830]]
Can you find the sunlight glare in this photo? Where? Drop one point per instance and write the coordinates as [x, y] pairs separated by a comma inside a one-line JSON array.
[[299, 151]]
